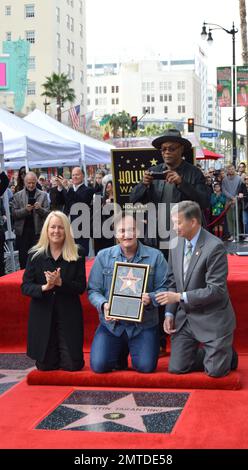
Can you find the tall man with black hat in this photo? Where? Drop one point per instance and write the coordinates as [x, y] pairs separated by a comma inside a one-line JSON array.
[[180, 180]]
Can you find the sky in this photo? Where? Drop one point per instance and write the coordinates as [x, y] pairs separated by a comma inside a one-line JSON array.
[[131, 29]]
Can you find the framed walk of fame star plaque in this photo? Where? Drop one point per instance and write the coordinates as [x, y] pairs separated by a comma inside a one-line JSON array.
[[128, 284]]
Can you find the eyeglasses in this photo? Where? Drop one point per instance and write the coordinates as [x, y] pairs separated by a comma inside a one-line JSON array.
[[171, 148]]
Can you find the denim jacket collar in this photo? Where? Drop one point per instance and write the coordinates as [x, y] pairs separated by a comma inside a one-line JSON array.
[[140, 253]]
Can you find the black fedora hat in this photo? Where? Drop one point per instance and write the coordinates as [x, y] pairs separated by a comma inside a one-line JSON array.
[[171, 135]]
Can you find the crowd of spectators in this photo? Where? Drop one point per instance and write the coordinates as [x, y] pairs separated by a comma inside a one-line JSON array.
[[228, 187], [229, 196]]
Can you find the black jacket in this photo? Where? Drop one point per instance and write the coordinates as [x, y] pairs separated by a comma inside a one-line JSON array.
[[192, 188], [65, 299], [83, 194]]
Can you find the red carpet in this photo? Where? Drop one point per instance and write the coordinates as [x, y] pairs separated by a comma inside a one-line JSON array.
[[13, 333], [129, 378], [14, 308], [212, 419]]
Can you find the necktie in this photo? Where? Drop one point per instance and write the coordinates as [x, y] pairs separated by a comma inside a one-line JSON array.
[[187, 258]]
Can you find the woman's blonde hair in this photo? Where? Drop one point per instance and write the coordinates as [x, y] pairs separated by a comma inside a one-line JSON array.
[[69, 250]]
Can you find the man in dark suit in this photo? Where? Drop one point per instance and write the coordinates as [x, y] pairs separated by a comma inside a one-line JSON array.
[[198, 308], [70, 197]]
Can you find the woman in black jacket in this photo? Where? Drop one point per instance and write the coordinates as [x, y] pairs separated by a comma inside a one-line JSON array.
[[54, 279]]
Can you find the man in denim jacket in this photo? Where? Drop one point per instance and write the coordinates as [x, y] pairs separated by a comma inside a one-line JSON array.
[[114, 339]]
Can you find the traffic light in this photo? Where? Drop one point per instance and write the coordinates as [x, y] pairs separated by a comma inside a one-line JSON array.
[[191, 124], [134, 123], [242, 140]]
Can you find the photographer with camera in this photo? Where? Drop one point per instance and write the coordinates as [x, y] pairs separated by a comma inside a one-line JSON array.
[[173, 181], [30, 208]]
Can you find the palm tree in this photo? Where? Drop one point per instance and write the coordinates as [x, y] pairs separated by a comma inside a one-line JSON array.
[[118, 121], [57, 86], [125, 122], [243, 28], [114, 124]]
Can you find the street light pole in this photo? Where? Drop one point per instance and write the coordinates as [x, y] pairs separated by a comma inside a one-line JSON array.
[[234, 120], [46, 104], [209, 38]]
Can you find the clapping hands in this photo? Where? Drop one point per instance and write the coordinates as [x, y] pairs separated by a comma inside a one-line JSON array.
[[52, 279]]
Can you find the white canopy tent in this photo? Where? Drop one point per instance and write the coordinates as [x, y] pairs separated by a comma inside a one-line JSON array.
[[93, 150], [26, 143]]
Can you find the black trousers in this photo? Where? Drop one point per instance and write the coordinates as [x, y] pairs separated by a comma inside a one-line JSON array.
[[24, 243], [58, 355]]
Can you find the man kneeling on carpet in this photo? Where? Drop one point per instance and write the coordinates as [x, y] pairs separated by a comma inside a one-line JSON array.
[[198, 308], [54, 279], [115, 338]]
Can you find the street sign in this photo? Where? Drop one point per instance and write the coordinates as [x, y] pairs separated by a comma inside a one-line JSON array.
[[208, 135]]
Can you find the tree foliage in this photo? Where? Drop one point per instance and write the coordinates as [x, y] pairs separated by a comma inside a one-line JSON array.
[[57, 87]]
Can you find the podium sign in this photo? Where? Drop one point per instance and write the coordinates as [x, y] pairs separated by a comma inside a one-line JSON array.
[[128, 167]]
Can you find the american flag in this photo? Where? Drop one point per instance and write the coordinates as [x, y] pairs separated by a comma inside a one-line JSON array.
[[75, 116]]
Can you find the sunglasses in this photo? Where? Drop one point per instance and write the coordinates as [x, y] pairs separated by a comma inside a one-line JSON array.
[[171, 148]]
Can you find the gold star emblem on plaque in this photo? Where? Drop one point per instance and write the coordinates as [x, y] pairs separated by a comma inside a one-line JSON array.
[[129, 281], [153, 162]]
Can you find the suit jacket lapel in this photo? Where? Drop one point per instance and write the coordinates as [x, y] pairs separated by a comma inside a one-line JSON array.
[[24, 197], [195, 257]]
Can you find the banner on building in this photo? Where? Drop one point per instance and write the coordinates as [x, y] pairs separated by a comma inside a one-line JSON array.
[[242, 85], [224, 86], [15, 71], [3, 74]]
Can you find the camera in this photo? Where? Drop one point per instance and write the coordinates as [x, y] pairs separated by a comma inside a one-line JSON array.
[[158, 175]]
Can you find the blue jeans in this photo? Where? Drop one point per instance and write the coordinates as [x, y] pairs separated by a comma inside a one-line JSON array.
[[109, 352]]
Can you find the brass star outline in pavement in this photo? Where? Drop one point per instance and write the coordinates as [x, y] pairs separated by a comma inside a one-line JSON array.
[[129, 281], [123, 411], [13, 375]]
